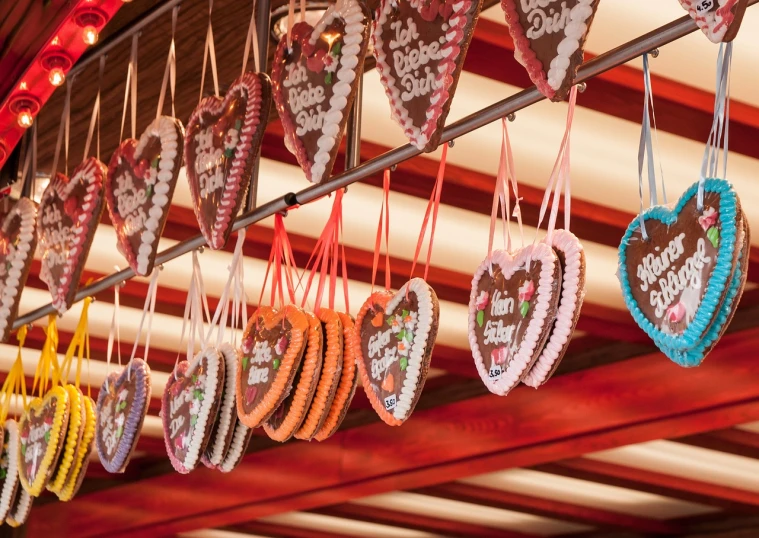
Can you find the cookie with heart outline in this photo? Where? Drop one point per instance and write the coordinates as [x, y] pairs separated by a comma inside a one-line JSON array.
[[291, 413], [82, 458], [333, 347], [272, 348], [719, 20], [681, 274], [512, 306], [548, 43], [20, 508], [121, 408], [224, 425], [189, 406], [315, 82], [348, 382], [221, 144], [42, 430], [420, 47], [395, 347], [67, 218], [73, 437], [142, 175], [571, 256], [9, 467], [18, 240]]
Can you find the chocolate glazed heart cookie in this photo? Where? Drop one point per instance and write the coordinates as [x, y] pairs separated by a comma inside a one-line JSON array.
[[674, 281], [272, 349], [189, 406], [395, 347], [17, 243], [222, 142], [141, 179], [420, 47], [511, 311], [121, 409], [68, 215], [549, 36], [719, 20], [315, 83]]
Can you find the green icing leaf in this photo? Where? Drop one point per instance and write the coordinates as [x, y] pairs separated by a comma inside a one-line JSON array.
[[229, 153], [238, 124], [328, 78], [244, 363], [154, 162], [23, 450], [401, 334], [480, 317], [119, 432], [193, 420], [47, 437], [524, 308], [404, 364], [336, 49], [404, 314], [3, 473], [275, 364], [390, 321], [713, 235], [150, 191]]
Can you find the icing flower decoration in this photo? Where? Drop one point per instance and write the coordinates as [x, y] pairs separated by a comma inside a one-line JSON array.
[[330, 63], [316, 62], [409, 320], [676, 313], [403, 348], [231, 139], [151, 175], [70, 207], [526, 291], [708, 218], [281, 346], [247, 345], [395, 324], [250, 393], [500, 355], [481, 304]]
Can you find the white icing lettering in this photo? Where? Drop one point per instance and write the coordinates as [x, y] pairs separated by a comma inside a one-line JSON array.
[[496, 333], [544, 18], [377, 342], [411, 59], [380, 366], [208, 163], [501, 305], [675, 281]]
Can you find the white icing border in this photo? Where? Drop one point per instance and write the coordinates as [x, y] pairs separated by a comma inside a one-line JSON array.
[[26, 210], [708, 22], [228, 408], [509, 264], [12, 475], [18, 518], [569, 305], [575, 31], [425, 308]]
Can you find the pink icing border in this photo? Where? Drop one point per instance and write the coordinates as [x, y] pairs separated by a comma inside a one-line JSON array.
[[446, 70], [516, 369], [711, 26], [92, 172], [253, 84], [26, 210], [566, 318]]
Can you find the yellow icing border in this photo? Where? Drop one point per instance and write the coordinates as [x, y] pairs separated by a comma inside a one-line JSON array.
[[83, 452], [73, 438]]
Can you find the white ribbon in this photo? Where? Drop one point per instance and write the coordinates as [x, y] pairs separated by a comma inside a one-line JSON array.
[[170, 73], [115, 331], [209, 49], [235, 285], [147, 310], [130, 90]]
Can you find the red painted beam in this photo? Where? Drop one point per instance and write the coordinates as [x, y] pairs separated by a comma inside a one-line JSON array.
[[633, 401], [275, 530], [565, 511], [730, 440]]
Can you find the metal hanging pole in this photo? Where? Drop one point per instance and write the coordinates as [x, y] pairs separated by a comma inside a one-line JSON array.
[[263, 23], [600, 64], [353, 138]]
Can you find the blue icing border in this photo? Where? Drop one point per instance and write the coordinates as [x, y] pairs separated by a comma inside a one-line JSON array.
[[716, 285]]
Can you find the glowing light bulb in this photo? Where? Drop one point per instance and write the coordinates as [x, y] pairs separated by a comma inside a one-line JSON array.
[[25, 118], [57, 77], [90, 34]]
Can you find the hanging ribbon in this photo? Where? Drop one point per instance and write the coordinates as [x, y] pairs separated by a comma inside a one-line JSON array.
[[233, 286], [718, 136], [130, 91], [252, 39], [147, 311], [196, 307], [170, 73], [281, 251], [115, 331], [501, 197], [15, 382], [326, 258], [384, 221], [48, 370], [63, 131], [432, 207], [79, 346], [95, 119], [291, 20], [559, 176], [209, 50]]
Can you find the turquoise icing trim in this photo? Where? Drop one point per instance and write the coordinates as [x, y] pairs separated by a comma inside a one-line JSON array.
[[716, 285], [695, 356]]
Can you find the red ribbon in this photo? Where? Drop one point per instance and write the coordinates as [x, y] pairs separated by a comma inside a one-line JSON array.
[[383, 218], [281, 251]]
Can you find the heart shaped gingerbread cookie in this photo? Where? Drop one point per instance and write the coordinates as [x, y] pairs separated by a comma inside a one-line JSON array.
[[675, 279], [222, 141], [396, 335], [549, 36], [420, 47], [68, 215], [9, 484], [571, 257], [272, 349], [315, 83], [121, 409], [224, 426], [511, 311], [189, 406], [82, 457], [719, 20], [71, 439], [17, 243], [42, 430], [142, 175]]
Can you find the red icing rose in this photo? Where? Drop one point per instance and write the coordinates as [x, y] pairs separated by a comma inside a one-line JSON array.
[[250, 393], [316, 62], [70, 207], [429, 12]]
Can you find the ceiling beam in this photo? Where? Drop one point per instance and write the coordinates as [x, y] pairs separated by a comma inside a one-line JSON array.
[[729, 440], [526, 428]]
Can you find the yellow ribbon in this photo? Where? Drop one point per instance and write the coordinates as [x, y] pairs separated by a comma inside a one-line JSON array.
[[47, 367], [80, 345], [15, 383]]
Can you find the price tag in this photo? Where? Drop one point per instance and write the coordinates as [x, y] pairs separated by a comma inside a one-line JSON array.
[[390, 402], [495, 371]]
